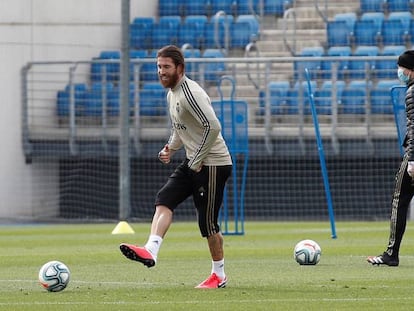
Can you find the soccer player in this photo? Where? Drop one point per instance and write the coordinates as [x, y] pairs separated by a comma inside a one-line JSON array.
[[202, 175], [404, 184]]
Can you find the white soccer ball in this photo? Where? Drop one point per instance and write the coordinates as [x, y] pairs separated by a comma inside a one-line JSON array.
[[54, 276], [307, 252]]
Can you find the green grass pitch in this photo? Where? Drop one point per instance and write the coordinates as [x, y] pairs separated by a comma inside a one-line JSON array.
[[262, 272]]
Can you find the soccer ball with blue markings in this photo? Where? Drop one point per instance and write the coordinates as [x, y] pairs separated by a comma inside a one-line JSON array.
[[307, 252], [54, 276]]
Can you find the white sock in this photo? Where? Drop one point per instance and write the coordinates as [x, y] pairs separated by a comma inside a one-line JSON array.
[[153, 245], [217, 267]]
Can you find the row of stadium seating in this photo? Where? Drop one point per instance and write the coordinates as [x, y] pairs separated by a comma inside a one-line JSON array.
[[376, 68], [386, 5], [351, 98], [233, 7], [198, 30], [109, 71], [371, 28], [89, 101]]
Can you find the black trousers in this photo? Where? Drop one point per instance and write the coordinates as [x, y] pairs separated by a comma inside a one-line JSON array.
[[403, 193], [206, 187]]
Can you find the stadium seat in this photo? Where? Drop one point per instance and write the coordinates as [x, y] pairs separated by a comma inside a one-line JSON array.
[[196, 7], [359, 69], [338, 33], [323, 101], [381, 97], [398, 6], [339, 86], [277, 91], [276, 7], [170, 7], [213, 70], [191, 31], [365, 33], [111, 69], [298, 96], [372, 6], [165, 32], [213, 40], [245, 29], [314, 66], [227, 6], [134, 67], [152, 100], [353, 101], [247, 7], [191, 68], [95, 99], [377, 17], [342, 65], [387, 68], [149, 71], [394, 33], [141, 32], [350, 18], [63, 100]]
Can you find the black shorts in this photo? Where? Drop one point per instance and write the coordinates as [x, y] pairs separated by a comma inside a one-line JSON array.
[[206, 187]]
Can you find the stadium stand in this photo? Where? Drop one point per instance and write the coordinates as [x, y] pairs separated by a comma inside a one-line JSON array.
[[213, 70], [141, 32], [277, 91], [385, 69], [338, 33], [359, 69], [63, 100], [372, 6], [342, 65], [380, 98]]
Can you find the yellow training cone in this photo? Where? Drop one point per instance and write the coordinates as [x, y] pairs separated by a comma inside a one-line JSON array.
[[123, 228]]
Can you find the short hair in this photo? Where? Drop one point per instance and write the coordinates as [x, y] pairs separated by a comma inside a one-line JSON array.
[[174, 53]]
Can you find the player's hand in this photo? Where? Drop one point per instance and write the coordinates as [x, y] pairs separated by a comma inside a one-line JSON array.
[[165, 155], [410, 168]]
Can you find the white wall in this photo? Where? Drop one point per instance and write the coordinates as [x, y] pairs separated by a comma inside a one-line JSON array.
[[45, 30]]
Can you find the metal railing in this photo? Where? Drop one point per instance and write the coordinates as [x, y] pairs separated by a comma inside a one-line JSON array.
[[42, 82]]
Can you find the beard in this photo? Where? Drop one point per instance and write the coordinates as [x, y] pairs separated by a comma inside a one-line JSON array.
[[171, 80]]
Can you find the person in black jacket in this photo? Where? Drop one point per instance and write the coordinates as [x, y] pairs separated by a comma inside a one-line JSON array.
[[404, 184]]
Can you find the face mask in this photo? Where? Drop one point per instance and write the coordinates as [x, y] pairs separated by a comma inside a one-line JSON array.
[[403, 78]]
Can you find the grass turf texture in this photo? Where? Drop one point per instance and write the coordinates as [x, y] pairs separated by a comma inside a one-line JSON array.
[[262, 272]]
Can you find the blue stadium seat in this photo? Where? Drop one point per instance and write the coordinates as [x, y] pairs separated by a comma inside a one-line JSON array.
[[192, 69], [95, 97], [314, 66], [152, 100], [350, 18], [210, 29], [338, 33], [165, 32], [358, 68], [323, 101], [377, 17], [247, 6], [353, 100], [299, 95], [394, 33], [277, 98], [191, 31], [276, 7], [134, 67], [365, 33], [342, 65], [214, 70], [339, 85], [63, 100], [111, 69], [380, 97], [228, 6], [387, 68], [170, 7], [141, 32], [196, 7], [372, 5], [149, 71], [245, 29], [398, 6]]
